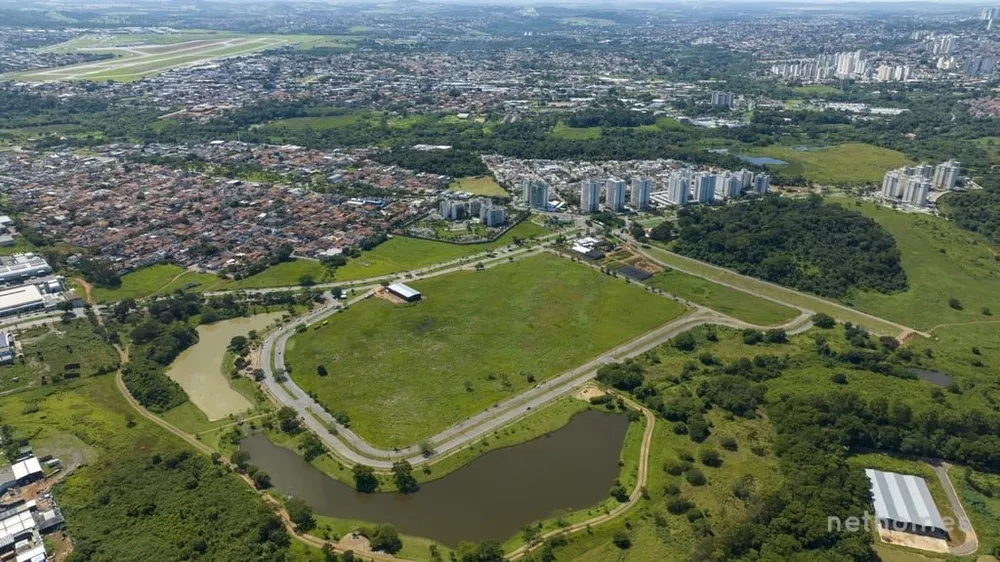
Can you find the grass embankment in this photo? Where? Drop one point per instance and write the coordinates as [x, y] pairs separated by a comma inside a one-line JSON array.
[[782, 294], [539, 423], [739, 305], [941, 262], [403, 254], [485, 186], [852, 163], [403, 373]]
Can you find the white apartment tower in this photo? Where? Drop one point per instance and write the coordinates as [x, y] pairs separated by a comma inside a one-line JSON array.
[[614, 195], [642, 188], [678, 188], [590, 195], [946, 175]]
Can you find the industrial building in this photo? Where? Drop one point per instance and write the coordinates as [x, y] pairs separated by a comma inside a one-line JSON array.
[[7, 348], [19, 267], [21, 299], [903, 503], [405, 292]]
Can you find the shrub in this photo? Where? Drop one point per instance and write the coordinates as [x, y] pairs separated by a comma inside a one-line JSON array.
[[621, 540], [752, 337], [711, 457], [955, 303], [824, 321], [729, 443], [678, 505], [695, 477], [839, 378]]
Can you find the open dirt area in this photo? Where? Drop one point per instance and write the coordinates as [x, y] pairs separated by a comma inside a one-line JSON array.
[[588, 392], [911, 540]]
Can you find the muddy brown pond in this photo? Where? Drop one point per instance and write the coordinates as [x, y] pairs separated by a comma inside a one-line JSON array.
[[492, 497]]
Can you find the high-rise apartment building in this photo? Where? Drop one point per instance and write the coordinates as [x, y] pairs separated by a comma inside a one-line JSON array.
[[590, 195], [642, 188], [614, 195]]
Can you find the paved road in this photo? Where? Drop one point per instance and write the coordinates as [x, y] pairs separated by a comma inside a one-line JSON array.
[[971, 544], [353, 448]]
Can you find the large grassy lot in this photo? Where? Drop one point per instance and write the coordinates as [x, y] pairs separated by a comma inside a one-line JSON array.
[[941, 261], [852, 163], [739, 305], [404, 254], [565, 132], [404, 372], [485, 186], [141, 283]]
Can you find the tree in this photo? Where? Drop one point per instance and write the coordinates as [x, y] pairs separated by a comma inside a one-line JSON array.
[[238, 344], [824, 321], [487, 551], [261, 480], [311, 446], [301, 514], [402, 474], [364, 478], [288, 420], [385, 538], [621, 540], [685, 342], [695, 477], [955, 303], [306, 280], [321, 370], [711, 457]]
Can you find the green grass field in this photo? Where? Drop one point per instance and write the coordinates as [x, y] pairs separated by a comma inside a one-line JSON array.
[[737, 304], [815, 90], [141, 283], [484, 186], [941, 261], [853, 163], [402, 373], [319, 123], [403, 254], [284, 274], [565, 132]]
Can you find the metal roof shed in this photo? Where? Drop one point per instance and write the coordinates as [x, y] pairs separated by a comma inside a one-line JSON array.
[[905, 499], [404, 291]]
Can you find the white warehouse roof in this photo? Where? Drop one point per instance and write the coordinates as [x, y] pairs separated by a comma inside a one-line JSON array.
[[404, 291], [17, 297], [904, 498], [27, 467]]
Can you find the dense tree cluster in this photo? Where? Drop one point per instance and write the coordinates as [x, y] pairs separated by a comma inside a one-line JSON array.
[[978, 211], [454, 162], [805, 244]]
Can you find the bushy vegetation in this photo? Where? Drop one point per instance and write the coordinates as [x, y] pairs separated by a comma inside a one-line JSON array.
[[175, 506], [978, 211], [805, 244]]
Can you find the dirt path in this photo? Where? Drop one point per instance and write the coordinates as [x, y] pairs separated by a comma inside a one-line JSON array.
[[633, 498], [954, 324], [87, 288]]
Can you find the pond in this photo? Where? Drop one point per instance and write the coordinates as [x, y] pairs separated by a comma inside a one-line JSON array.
[[492, 497], [198, 369], [761, 160], [934, 377]]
